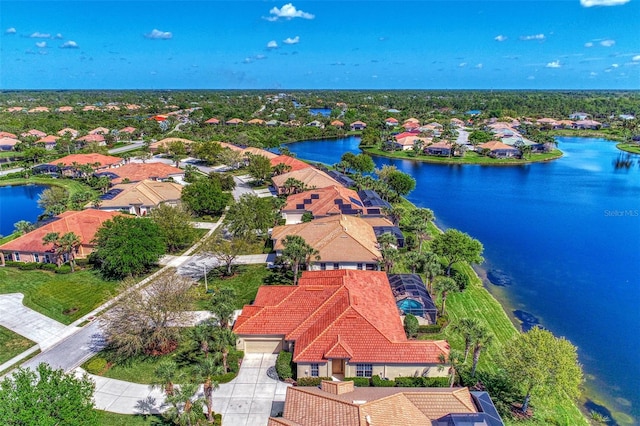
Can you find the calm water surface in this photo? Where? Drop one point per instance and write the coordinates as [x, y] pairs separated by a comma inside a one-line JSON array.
[[18, 203], [562, 247]]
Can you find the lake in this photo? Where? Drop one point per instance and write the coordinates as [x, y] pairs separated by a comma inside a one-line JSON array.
[[562, 247], [18, 202]]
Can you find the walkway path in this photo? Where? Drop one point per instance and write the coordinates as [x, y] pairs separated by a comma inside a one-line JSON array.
[[248, 400]]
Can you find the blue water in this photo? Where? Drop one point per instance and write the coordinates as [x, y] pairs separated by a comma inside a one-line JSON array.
[[18, 203], [562, 239], [408, 305], [325, 112]]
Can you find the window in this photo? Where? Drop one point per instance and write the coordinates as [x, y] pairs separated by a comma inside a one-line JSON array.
[[36, 258], [323, 266], [364, 370], [315, 370], [371, 267], [359, 266], [336, 266], [47, 259], [16, 256]]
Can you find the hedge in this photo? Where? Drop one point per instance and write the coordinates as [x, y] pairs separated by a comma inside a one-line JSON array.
[[224, 378], [233, 361], [64, 269], [378, 382], [422, 382], [96, 365], [430, 329], [284, 365], [361, 382], [311, 381]]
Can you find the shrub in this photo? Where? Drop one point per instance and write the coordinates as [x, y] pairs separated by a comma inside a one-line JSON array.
[[435, 382], [361, 382], [311, 381], [430, 329], [95, 365], [284, 365], [12, 264], [224, 378], [48, 266], [82, 262], [460, 278], [408, 382], [410, 325], [233, 361], [28, 266], [378, 382], [64, 269]]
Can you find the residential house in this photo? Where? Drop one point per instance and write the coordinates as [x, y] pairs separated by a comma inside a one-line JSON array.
[[373, 203], [141, 197], [410, 125], [329, 201], [272, 123], [67, 131], [163, 144], [136, 172], [99, 131], [49, 142], [342, 179], [358, 125], [391, 122], [293, 163], [256, 121], [96, 161], [579, 116], [343, 242], [457, 122], [310, 178], [587, 124], [30, 248], [212, 120], [97, 138], [65, 109], [412, 296], [341, 403], [234, 122], [382, 225], [15, 109], [407, 143], [442, 149], [7, 143], [249, 150], [8, 135], [337, 324], [39, 109], [133, 107], [337, 123], [33, 132], [547, 123], [90, 108], [128, 130], [316, 123], [497, 149]]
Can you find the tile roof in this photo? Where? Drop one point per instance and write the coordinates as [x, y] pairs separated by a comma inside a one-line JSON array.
[[146, 193], [338, 238], [294, 163], [104, 160], [337, 123], [411, 140], [65, 109], [7, 135], [48, 139], [391, 120], [39, 109], [311, 177], [34, 132], [359, 123], [255, 121], [137, 172], [128, 129], [83, 223], [212, 121], [164, 143], [319, 406], [494, 145], [234, 121], [73, 132], [96, 137], [331, 200], [98, 130], [340, 312], [15, 109], [6, 141]]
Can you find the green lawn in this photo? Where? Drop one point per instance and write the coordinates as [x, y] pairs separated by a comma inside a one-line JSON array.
[[53, 294], [106, 418], [73, 186], [633, 148], [12, 344], [469, 158]]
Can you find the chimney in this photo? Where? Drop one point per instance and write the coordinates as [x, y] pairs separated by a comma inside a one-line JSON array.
[[336, 388]]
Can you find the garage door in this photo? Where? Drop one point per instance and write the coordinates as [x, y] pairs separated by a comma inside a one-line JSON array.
[[263, 346]]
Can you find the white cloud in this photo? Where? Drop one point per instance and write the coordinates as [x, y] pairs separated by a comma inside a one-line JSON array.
[[159, 35], [10, 31], [479, 66], [615, 65], [58, 36], [69, 45], [636, 58], [272, 44], [593, 74], [290, 40], [40, 35], [462, 64], [41, 44], [260, 56], [288, 11], [607, 43], [533, 37], [554, 64], [588, 44], [500, 38], [590, 3]]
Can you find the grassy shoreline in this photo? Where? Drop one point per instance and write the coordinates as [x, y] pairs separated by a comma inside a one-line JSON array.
[[632, 148]]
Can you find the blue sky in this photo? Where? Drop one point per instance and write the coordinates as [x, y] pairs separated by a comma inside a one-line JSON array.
[[509, 44]]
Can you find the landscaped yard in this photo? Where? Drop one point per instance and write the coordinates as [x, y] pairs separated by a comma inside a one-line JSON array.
[[62, 297], [106, 418], [73, 186], [469, 157], [12, 344], [633, 148]]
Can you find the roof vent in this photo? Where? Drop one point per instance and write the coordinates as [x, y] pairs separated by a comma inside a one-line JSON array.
[[359, 401]]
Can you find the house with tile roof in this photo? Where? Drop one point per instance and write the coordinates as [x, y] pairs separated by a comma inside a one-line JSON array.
[[249, 150], [337, 123], [337, 324], [8, 135], [256, 121], [408, 142], [65, 109], [341, 403], [8, 143], [97, 138], [441, 149], [33, 132], [497, 149], [234, 122], [342, 242], [141, 197], [391, 122], [163, 144], [293, 163], [130, 130], [358, 125], [587, 124], [72, 133], [99, 130], [329, 201], [30, 248], [15, 109], [95, 160], [212, 120], [311, 177], [49, 142], [136, 172], [39, 109]]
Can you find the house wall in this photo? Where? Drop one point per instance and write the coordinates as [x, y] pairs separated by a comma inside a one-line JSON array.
[[241, 340], [317, 266], [389, 371], [304, 369], [292, 217]]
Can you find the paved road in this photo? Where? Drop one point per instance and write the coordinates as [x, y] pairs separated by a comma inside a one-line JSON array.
[[194, 266], [131, 147]]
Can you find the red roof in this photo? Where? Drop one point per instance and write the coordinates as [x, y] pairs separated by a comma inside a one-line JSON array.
[[324, 201], [128, 129], [294, 163], [137, 172], [7, 135], [34, 132], [83, 223], [405, 134], [104, 160], [339, 313], [97, 137], [391, 120], [213, 121], [48, 139]]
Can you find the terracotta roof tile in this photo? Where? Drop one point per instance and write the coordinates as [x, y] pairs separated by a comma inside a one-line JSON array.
[[294, 163], [324, 201], [103, 160], [96, 137], [310, 176], [146, 193], [6, 141], [137, 172], [7, 135]]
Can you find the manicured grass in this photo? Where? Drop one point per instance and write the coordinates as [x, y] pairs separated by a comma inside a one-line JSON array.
[[52, 294], [469, 158], [138, 370], [633, 148], [12, 344], [73, 186], [106, 418]]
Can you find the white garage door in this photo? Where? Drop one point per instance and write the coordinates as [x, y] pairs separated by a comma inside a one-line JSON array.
[[263, 346]]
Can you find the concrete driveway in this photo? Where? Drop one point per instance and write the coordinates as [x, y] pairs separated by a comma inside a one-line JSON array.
[[248, 400], [29, 323]]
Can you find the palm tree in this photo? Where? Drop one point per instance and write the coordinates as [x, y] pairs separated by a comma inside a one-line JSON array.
[[389, 258], [419, 223], [454, 359], [24, 226], [205, 371], [445, 285], [468, 328], [386, 240], [481, 339], [222, 340], [431, 268], [66, 244], [166, 374], [296, 251], [395, 213], [223, 305], [184, 409]]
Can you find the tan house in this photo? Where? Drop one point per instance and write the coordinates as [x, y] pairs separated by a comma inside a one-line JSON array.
[[234, 122], [329, 201], [441, 149], [49, 141], [358, 125], [7, 143], [337, 123], [212, 121], [99, 130], [136, 172], [408, 142], [8, 135], [293, 163], [498, 149], [30, 248], [33, 132], [343, 242], [97, 138], [73, 133], [65, 109], [163, 144], [249, 150], [337, 324], [341, 403], [140, 198], [39, 109], [311, 177]]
